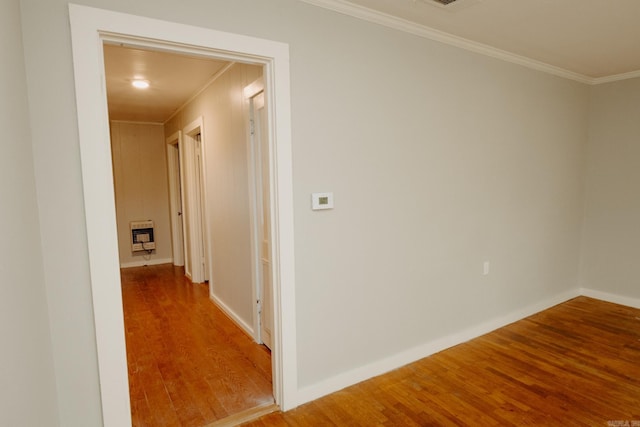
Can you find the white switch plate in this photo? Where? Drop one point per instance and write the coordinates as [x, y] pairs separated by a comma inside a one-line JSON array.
[[320, 201], [485, 268]]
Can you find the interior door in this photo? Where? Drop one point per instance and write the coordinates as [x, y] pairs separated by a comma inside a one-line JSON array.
[[175, 198], [186, 153], [201, 215], [261, 141], [194, 208]]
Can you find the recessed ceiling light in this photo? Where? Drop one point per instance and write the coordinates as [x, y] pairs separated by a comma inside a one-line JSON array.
[[140, 84]]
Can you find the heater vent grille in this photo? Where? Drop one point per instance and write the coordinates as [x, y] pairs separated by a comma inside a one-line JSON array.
[[142, 236]]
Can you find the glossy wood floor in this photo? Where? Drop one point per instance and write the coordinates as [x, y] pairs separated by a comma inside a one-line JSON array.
[[189, 364], [577, 364]]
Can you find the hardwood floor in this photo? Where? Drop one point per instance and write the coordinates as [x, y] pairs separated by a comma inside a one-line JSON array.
[[189, 364], [576, 364]]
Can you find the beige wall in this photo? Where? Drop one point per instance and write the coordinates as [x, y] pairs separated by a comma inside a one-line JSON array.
[[27, 378], [225, 112], [439, 159], [141, 188], [611, 241]]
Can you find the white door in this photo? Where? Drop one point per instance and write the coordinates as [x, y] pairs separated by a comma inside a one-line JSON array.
[[261, 150], [175, 197], [194, 204], [187, 195], [200, 214]]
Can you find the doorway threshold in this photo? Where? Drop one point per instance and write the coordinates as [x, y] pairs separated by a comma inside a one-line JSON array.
[[245, 416]]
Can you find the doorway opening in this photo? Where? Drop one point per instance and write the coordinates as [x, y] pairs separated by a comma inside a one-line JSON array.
[[88, 26], [162, 380]]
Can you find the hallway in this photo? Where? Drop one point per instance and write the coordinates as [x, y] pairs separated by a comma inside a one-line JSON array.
[[189, 364]]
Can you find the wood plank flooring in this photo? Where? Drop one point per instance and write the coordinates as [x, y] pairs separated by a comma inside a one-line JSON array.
[[576, 364], [189, 364]]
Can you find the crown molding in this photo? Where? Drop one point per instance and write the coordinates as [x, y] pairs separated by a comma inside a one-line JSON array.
[[133, 122], [616, 77], [346, 8]]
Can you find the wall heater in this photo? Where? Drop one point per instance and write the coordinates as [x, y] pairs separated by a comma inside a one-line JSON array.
[[142, 236]]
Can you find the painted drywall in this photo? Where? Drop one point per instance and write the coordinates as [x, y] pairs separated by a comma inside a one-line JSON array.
[[439, 160], [56, 156], [225, 111], [611, 238], [141, 188], [27, 394]]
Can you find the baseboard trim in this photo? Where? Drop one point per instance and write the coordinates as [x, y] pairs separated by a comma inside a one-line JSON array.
[[144, 262], [338, 382], [609, 297], [233, 316]]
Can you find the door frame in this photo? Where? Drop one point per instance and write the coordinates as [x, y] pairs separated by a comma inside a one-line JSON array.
[[174, 169], [254, 160], [195, 212], [90, 28]]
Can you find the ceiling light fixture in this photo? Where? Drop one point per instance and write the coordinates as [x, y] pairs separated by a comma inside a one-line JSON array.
[[140, 84], [450, 5]]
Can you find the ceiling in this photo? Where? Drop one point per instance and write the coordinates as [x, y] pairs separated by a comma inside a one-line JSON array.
[[591, 41], [174, 79]]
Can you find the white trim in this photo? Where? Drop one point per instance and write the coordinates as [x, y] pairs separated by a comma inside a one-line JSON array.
[[95, 157], [381, 18], [285, 361], [174, 176], [255, 206], [254, 220], [233, 316], [614, 298], [616, 77], [90, 28], [195, 213], [215, 77], [133, 122], [143, 262], [253, 88], [379, 367]]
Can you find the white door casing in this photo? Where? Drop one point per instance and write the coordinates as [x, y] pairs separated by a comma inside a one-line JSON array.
[[90, 27], [262, 144], [194, 212], [260, 211], [175, 168]]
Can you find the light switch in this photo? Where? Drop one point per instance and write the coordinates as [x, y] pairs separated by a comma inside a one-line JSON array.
[[485, 268], [321, 201]]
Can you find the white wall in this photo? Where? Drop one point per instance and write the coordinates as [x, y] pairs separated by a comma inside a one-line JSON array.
[[141, 188], [225, 111], [56, 156], [611, 241], [27, 379], [439, 159]]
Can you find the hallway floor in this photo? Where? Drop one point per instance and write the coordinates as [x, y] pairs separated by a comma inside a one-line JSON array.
[[189, 364]]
